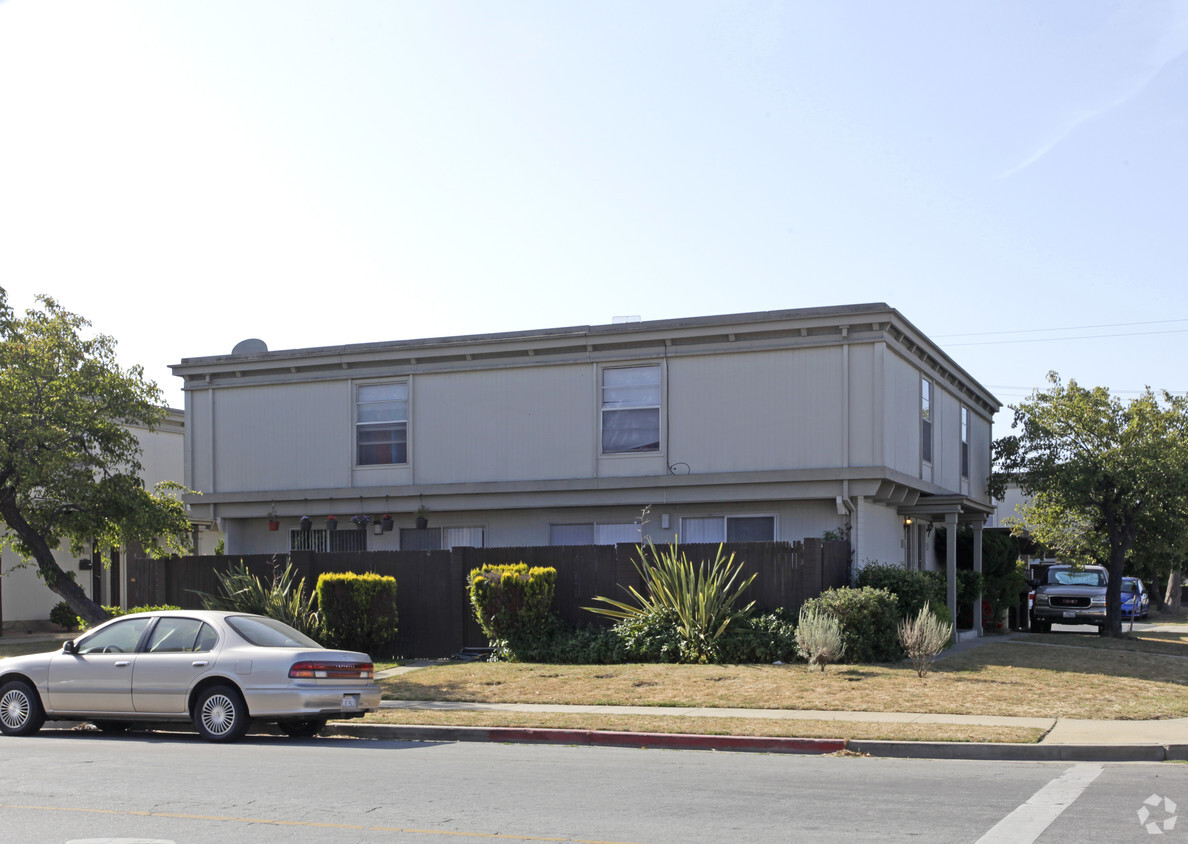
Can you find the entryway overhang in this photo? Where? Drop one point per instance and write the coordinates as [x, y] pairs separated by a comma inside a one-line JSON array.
[[954, 511]]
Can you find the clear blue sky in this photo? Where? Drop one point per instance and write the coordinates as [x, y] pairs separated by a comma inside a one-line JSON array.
[[191, 174]]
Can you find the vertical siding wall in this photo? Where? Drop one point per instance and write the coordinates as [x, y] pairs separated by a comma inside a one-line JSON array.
[[756, 411]]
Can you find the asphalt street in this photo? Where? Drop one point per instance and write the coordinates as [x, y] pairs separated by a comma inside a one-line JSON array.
[[66, 786]]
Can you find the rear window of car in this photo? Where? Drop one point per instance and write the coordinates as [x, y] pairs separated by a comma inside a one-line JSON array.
[[269, 633], [1068, 577]]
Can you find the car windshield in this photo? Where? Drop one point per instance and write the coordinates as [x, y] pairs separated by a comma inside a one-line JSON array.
[[269, 633], [1068, 577]]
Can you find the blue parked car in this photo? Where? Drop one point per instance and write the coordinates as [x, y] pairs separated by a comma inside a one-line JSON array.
[[1135, 600]]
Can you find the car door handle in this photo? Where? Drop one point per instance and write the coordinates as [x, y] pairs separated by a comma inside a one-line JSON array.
[[199, 663], [123, 663]]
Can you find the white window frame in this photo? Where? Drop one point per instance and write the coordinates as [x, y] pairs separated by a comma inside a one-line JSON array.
[[603, 410], [964, 442], [926, 414], [358, 387]]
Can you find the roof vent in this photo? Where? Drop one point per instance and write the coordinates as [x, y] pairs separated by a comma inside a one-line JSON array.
[[250, 347]]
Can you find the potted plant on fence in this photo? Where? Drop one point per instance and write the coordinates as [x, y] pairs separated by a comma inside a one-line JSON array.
[[331, 523], [361, 521]]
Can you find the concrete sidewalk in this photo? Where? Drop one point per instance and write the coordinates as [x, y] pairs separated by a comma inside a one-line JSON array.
[[1065, 740]]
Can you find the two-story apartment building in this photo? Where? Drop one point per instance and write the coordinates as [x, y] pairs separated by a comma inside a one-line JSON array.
[[774, 425]]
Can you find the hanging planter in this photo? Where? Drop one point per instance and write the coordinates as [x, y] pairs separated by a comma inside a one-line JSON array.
[[331, 523], [422, 517], [361, 521], [377, 528], [274, 524], [306, 523], [386, 523]]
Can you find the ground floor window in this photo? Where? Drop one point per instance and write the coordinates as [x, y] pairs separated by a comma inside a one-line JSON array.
[[327, 540], [594, 533], [728, 529], [440, 539]]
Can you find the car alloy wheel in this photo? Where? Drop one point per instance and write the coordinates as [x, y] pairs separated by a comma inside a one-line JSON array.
[[220, 714], [20, 709]]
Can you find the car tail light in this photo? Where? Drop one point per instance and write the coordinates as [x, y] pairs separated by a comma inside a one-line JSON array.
[[332, 670]]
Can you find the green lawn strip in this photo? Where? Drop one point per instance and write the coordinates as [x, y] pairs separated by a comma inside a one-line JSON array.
[[712, 726], [1001, 678]]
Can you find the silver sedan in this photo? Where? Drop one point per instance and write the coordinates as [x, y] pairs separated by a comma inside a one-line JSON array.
[[219, 670]]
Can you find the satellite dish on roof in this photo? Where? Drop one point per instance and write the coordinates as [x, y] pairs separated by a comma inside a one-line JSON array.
[[250, 347]]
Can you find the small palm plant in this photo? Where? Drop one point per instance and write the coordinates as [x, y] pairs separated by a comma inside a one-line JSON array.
[[701, 597], [818, 637], [284, 598], [924, 637]]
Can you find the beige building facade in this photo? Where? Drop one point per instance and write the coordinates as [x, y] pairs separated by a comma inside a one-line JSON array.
[[777, 425]]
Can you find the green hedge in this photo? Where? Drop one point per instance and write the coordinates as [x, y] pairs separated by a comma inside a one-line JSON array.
[[358, 611], [512, 602], [116, 612], [869, 621]]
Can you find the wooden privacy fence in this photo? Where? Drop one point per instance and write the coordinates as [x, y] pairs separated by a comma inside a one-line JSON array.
[[435, 618]]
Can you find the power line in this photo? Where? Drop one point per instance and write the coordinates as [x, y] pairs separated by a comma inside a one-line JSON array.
[[1060, 339], [1067, 328]]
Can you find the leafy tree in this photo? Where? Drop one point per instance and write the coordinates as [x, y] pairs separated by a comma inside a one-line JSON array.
[[1101, 476], [69, 465]]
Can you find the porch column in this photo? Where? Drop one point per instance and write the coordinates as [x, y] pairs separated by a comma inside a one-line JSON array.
[[977, 564], [951, 566]]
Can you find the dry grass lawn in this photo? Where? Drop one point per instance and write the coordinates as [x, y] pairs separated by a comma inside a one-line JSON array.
[[1055, 675]]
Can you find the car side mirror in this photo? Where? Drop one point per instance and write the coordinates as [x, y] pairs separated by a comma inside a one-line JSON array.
[[68, 647]]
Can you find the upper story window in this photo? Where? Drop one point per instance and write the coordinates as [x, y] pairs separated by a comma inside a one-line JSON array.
[[631, 409], [926, 420], [965, 442], [381, 424]]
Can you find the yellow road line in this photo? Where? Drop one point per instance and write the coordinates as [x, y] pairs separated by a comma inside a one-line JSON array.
[[504, 836]]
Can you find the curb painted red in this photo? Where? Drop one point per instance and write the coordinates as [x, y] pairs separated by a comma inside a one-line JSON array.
[[591, 738]]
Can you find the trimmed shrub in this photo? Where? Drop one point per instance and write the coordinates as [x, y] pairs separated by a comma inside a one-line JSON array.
[[818, 637], [869, 620], [565, 645], [760, 638], [358, 611], [914, 589], [63, 616], [116, 612], [512, 602]]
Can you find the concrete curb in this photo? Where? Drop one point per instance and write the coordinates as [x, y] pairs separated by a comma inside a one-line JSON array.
[[760, 744]]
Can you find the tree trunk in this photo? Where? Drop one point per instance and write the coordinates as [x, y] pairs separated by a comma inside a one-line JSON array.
[[48, 568], [1175, 586]]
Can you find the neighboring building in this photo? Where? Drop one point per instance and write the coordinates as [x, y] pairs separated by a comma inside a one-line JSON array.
[[778, 425], [25, 601]]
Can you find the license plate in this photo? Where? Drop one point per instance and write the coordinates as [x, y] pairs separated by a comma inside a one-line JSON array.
[[1070, 615], [350, 702]]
